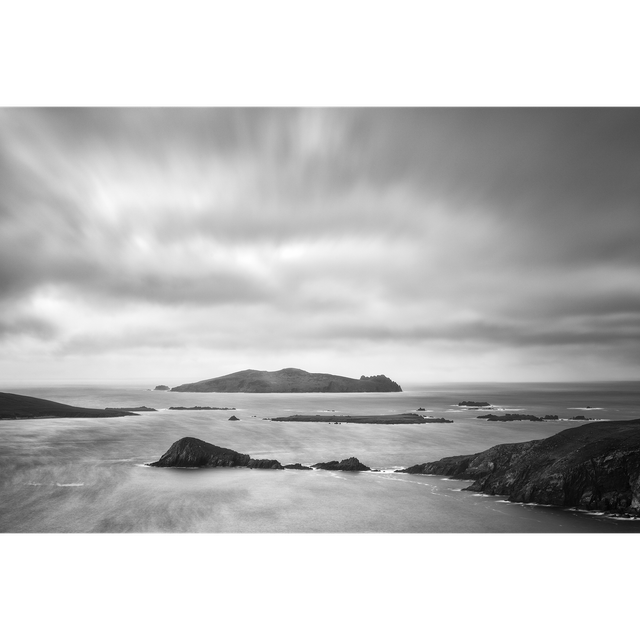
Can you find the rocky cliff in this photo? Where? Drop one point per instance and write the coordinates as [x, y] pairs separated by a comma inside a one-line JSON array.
[[289, 381], [594, 466]]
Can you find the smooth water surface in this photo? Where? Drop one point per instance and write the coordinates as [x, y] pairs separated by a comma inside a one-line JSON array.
[[89, 475]]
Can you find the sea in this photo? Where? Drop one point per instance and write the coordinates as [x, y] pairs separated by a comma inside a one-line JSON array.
[[91, 475]]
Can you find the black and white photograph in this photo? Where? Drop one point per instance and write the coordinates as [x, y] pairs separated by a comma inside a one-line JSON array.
[[320, 320]]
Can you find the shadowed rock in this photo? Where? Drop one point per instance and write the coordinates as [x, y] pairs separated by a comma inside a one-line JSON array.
[[193, 452], [161, 387], [349, 464], [593, 466], [298, 466], [264, 464]]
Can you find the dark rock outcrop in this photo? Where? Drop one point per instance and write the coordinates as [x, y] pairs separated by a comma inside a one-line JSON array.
[[233, 418], [193, 452], [298, 466], [14, 406], [594, 466], [349, 464], [399, 418], [510, 417], [162, 387], [264, 464], [289, 381], [471, 403]]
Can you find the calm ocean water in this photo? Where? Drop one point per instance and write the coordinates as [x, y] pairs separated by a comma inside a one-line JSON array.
[[88, 475]]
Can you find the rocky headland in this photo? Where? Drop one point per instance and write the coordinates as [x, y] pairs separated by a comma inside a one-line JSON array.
[[14, 406], [398, 418], [593, 467], [348, 464], [289, 381]]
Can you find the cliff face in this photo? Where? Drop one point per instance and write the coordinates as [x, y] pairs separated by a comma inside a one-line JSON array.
[[289, 381], [595, 466]]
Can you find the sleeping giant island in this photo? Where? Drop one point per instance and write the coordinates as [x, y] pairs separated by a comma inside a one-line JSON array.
[[290, 381]]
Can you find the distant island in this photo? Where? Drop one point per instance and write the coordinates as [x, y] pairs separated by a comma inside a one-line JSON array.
[[515, 417], [510, 417], [399, 418], [290, 381], [161, 387], [594, 467], [18, 407], [130, 409], [471, 403], [202, 408]]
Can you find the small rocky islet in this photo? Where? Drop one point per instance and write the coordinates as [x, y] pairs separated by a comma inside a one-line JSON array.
[[398, 418], [191, 452], [595, 466]]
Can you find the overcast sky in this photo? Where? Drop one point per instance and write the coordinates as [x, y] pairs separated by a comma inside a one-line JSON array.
[[431, 245]]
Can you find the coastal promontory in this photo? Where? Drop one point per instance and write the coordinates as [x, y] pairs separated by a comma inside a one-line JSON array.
[[290, 381], [14, 406], [594, 467], [193, 452]]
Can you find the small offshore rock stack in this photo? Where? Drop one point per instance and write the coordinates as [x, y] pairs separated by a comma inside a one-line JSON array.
[[193, 452], [161, 387], [348, 464]]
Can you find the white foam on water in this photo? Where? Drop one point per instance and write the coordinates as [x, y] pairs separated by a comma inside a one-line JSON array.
[[70, 484]]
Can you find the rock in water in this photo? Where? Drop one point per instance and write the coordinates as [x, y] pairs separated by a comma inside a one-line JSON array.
[[233, 418], [192, 452], [264, 464], [161, 387], [349, 464], [298, 466]]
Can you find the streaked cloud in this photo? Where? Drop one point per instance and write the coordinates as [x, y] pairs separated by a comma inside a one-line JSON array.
[[407, 238]]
